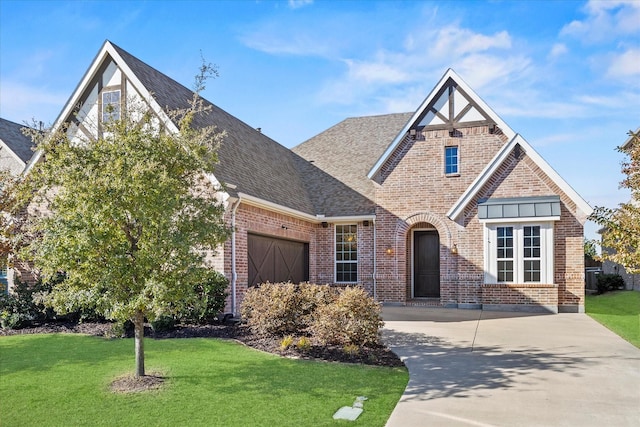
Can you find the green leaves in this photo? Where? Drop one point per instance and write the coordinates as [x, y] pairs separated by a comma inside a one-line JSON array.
[[621, 226], [129, 214]]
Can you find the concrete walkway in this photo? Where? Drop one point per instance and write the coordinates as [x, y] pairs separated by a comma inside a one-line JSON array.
[[479, 368]]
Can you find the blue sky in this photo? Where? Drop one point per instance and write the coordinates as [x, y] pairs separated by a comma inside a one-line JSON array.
[[563, 74]]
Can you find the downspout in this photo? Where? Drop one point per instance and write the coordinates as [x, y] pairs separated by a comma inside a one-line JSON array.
[[234, 273], [375, 246]]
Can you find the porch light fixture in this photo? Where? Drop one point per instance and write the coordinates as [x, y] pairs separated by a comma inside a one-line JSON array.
[[454, 249], [389, 250]]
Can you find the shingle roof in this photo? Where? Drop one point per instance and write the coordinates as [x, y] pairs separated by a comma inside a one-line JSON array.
[[348, 150], [248, 159], [11, 134], [254, 163]]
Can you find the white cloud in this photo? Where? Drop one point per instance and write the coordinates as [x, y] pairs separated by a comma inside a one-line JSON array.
[[606, 20], [455, 41], [21, 102], [376, 72], [625, 65], [558, 49], [296, 4]]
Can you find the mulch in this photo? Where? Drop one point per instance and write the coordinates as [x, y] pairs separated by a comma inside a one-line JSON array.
[[377, 355]]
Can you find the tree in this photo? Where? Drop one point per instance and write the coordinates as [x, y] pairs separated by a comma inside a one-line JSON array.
[[621, 226], [130, 216]]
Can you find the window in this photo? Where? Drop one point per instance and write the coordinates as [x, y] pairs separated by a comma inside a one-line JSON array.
[[505, 254], [4, 284], [451, 160], [110, 106], [346, 253], [519, 253], [531, 255]]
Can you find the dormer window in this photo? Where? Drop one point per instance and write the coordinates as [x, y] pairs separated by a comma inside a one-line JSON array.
[[451, 160], [110, 106]]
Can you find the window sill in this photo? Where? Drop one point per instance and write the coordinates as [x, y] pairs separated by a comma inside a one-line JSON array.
[[451, 175]]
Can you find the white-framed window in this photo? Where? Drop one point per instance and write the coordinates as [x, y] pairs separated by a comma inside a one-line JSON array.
[[518, 252], [346, 253], [451, 160], [4, 279], [110, 105]]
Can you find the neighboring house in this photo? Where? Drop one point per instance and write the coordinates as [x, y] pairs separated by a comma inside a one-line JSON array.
[[444, 206], [15, 148], [15, 151], [632, 281]]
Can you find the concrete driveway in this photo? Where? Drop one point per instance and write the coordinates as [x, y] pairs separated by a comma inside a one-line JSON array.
[[479, 368]]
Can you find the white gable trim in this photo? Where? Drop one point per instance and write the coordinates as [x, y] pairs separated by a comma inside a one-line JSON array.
[[107, 49], [472, 191], [428, 100]]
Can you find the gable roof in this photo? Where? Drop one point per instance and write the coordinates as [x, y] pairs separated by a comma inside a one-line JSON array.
[[438, 110], [348, 150], [629, 140], [472, 191], [20, 145], [250, 162]]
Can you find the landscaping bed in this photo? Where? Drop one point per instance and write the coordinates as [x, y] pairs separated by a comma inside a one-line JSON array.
[[378, 355]]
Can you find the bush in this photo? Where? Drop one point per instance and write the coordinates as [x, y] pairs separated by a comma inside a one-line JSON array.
[[609, 282], [18, 309], [211, 299], [352, 319], [27, 304], [284, 308], [163, 323]]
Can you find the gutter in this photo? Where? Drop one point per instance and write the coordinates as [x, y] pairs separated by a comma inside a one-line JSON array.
[[234, 272], [375, 265]]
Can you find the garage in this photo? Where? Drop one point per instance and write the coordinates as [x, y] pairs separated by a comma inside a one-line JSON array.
[[277, 260]]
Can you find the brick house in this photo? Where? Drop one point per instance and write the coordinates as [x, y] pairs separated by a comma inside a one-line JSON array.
[[16, 149], [443, 206]]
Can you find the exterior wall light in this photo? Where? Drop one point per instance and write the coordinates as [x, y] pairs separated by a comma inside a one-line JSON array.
[[389, 250], [454, 249]]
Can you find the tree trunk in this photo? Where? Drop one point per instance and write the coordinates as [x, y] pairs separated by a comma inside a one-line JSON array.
[[138, 322]]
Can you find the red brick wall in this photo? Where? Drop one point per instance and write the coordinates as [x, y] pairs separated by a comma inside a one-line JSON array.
[[415, 193], [252, 219]]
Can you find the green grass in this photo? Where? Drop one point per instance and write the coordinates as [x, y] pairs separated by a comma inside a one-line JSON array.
[[618, 311], [63, 380]]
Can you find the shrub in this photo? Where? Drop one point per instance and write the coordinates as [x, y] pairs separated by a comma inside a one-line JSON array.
[[163, 323], [211, 298], [29, 303], [286, 342], [18, 309], [351, 349], [284, 308], [353, 318], [303, 344], [271, 309], [609, 282]]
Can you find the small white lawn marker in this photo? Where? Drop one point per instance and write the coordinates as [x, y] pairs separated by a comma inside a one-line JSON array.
[[351, 413]]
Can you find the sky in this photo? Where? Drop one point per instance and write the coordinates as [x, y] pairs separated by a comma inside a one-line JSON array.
[[563, 74]]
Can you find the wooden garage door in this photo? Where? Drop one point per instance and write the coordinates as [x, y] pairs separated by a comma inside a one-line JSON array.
[[277, 260]]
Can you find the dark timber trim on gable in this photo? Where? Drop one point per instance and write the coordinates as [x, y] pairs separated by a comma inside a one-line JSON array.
[[452, 122]]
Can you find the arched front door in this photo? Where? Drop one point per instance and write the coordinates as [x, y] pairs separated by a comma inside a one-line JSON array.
[[426, 264]]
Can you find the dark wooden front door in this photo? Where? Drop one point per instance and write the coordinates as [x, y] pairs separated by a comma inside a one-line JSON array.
[[426, 264], [277, 260]]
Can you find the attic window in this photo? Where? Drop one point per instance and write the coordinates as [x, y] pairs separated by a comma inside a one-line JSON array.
[[110, 106]]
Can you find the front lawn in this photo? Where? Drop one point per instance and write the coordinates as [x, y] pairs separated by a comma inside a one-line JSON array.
[[618, 311], [63, 379]]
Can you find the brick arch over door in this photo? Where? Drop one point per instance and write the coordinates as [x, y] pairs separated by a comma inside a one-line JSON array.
[[404, 225]]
